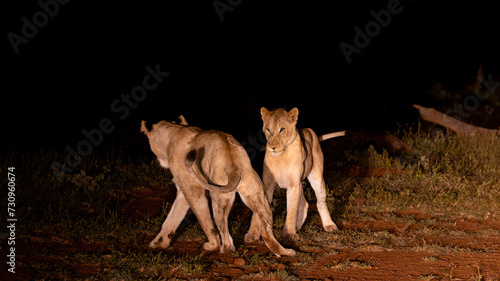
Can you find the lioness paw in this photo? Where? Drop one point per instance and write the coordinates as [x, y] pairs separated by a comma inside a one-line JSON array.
[[288, 252], [285, 252], [155, 244], [208, 246], [290, 236], [251, 237], [331, 227], [224, 249]]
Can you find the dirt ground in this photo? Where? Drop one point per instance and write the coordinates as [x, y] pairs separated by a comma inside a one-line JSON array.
[[479, 261]]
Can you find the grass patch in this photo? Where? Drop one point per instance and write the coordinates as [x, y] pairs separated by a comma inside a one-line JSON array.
[[430, 259], [446, 178], [445, 175], [258, 259], [146, 265], [347, 264], [269, 275], [428, 277]]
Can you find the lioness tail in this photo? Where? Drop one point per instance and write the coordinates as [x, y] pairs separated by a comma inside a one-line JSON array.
[[233, 180], [331, 135]]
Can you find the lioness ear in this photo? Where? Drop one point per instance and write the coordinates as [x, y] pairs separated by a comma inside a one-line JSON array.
[[144, 129], [293, 115], [183, 120], [264, 113]]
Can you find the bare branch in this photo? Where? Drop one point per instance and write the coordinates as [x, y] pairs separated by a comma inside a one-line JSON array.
[[459, 127]]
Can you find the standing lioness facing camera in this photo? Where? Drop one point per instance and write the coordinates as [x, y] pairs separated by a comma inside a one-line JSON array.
[[291, 156], [215, 161]]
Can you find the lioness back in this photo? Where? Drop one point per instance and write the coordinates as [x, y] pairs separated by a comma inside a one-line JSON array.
[[217, 154]]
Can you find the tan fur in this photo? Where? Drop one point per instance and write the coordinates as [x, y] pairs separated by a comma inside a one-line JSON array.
[[212, 160], [291, 156]]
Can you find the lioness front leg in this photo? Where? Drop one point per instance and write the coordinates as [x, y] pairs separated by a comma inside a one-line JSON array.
[[254, 231], [294, 196], [171, 223]]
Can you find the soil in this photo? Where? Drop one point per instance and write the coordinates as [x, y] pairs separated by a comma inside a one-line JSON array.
[[481, 260]]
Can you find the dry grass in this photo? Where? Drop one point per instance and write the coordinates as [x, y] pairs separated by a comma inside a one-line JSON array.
[[447, 178]]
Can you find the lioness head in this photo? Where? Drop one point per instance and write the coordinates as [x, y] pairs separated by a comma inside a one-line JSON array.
[[279, 129], [158, 135]]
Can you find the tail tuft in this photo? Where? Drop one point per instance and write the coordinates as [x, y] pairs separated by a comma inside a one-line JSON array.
[[332, 135]]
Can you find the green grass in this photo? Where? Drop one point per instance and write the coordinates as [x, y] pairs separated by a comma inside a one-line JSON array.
[[347, 264], [269, 275], [133, 265], [446, 177], [84, 203], [430, 259]]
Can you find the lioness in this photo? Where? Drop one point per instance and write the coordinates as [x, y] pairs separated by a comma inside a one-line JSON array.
[[291, 156], [215, 161]]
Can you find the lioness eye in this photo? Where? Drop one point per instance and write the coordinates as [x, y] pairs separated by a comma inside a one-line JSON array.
[[268, 130], [282, 130]]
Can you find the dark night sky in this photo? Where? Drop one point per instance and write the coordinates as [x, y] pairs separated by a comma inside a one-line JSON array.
[[264, 53]]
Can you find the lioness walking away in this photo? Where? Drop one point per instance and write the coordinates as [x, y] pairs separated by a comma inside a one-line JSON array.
[[291, 156], [215, 161]]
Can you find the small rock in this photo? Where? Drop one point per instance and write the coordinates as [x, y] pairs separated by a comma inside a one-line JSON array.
[[55, 238], [279, 266], [239, 262], [69, 241]]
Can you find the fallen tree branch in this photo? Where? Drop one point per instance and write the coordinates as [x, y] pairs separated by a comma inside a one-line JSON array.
[[460, 128]]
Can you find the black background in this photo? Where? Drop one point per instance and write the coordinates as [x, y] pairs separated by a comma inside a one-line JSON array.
[[264, 53]]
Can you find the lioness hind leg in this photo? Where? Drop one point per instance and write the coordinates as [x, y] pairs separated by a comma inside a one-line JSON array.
[[221, 205], [199, 205], [254, 232], [174, 218], [318, 184], [255, 199]]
